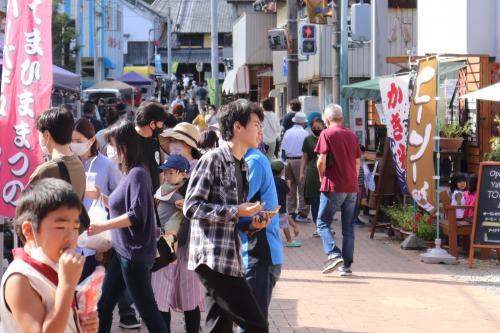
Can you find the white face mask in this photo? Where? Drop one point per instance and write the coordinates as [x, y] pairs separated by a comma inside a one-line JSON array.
[[38, 254], [80, 148], [111, 153], [44, 148]]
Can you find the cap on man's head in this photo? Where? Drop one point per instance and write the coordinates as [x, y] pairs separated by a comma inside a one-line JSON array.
[[300, 118], [176, 162], [277, 165]]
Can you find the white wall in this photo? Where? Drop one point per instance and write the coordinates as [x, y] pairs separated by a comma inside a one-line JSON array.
[[250, 44], [442, 26], [458, 26], [137, 25], [482, 28]]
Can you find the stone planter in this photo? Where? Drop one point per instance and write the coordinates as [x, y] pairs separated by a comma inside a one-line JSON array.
[[451, 144]]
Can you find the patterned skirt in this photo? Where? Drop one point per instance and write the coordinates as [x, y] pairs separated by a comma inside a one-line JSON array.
[[177, 288]]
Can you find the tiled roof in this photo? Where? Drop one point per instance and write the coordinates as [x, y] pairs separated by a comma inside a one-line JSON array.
[[193, 16]]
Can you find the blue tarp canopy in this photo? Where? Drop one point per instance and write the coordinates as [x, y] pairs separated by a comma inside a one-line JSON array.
[[135, 79]]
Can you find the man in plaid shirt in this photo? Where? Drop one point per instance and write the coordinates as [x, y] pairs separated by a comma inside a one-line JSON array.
[[215, 199]]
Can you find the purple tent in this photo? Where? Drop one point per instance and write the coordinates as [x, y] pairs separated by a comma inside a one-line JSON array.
[[65, 80], [135, 79]]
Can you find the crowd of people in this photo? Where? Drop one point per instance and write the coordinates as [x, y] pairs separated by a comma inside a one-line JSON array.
[[226, 189]]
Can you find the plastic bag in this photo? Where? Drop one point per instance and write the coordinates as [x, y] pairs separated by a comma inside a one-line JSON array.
[[100, 242], [369, 181], [97, 211], [89, 291]]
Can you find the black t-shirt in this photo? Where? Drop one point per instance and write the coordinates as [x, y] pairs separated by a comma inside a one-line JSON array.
[[150, 150], [282, 190], [239, 182]]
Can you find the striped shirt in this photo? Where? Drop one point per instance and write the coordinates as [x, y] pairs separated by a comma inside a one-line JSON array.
[[211, 204]]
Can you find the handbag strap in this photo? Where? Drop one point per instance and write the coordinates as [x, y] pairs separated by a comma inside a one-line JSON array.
[[158, 224], [63, 171]]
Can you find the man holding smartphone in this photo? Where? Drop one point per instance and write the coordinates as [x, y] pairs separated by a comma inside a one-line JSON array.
[[262, 250], [215, 200]]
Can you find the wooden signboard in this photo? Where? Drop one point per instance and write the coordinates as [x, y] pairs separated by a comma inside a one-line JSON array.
[[486, 224]]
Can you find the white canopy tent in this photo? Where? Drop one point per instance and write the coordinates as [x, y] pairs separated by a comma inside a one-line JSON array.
[[489, 93]]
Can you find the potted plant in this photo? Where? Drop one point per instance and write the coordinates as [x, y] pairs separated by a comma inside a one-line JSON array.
[[452, 136], [404, 223], [494, 154]]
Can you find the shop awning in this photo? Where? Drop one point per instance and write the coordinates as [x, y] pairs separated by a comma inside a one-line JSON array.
[[366, 90], [237, 81], [108, 63], [146, 71], [489, 93], [369, 89]]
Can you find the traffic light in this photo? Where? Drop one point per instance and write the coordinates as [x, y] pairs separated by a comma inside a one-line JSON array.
[[308, 39]]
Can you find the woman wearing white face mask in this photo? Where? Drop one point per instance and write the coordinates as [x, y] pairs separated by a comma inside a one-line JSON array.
[[107, 176]]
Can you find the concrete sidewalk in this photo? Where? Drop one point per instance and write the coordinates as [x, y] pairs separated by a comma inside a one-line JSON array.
[[390, 291]]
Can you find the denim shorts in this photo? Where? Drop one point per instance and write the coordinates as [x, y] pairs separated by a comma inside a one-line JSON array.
[[284, 220]]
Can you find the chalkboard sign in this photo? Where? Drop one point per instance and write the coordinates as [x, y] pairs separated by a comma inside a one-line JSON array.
[[486, 225]]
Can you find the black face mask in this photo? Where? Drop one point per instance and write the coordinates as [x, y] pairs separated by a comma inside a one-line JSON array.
[[157, 131], [316, 132]]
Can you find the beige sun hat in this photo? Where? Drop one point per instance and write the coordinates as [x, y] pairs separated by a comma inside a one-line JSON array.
[[184, 132]]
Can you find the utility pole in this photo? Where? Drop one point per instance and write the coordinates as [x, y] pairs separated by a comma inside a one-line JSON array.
[[373, 42], [96, 47], [215, 51], [148, 62], [169, 41], [292, 77], [79, 18], [344, 79], [336, 53]]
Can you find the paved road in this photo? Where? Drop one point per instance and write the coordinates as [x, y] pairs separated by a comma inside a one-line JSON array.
[[390, 291]]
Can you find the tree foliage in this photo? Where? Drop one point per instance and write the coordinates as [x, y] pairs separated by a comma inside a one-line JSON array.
[[63, 34]]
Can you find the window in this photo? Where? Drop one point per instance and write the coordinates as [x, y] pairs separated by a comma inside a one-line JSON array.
[[410, 4], [195, 40]]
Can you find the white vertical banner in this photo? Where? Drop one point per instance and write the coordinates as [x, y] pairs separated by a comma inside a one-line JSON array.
[[395, 94]]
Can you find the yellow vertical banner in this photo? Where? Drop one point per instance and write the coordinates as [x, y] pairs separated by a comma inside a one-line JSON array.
[[421, 132]]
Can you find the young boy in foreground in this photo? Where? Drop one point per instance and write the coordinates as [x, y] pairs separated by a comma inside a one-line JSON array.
[[38, 289]]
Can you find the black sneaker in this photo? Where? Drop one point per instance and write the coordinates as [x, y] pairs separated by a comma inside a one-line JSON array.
[[332, 264], [129, 323], [345, 271]]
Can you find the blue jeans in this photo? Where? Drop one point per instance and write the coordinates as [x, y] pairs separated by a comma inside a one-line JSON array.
[[136, 277], [262, 279], [329, 203]]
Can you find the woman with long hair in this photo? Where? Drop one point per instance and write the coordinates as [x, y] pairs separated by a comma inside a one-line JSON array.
[[133, 228], [175, 287]]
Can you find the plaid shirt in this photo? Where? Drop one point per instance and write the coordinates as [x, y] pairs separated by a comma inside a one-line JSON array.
[[211, 205]]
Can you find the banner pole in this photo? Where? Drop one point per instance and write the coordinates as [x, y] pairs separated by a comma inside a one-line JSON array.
[[2, 244], [438, 255], [438, 149]]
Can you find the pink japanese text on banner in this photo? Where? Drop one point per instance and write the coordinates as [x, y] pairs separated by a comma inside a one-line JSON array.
[[395, 94], [26, 91]]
